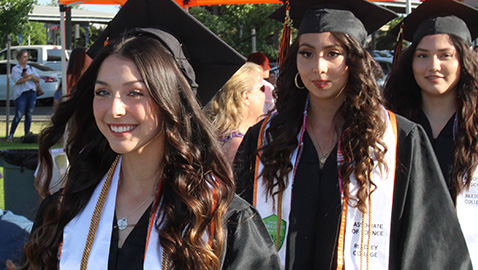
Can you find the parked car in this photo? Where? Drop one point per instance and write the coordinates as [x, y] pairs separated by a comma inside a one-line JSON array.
[[48, 55], [50, 81], [386, 64]]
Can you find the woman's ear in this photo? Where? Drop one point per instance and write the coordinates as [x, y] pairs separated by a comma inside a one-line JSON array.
[[246, 96]]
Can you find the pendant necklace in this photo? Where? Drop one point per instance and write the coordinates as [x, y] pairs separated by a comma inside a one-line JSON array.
[[123, 222], [323, 155]]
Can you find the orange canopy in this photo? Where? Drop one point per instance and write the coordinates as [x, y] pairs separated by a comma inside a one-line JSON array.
[[189, 3]]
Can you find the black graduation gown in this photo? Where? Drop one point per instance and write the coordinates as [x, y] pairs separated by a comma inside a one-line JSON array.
[[425, 232], [443, 144], [248, 246]]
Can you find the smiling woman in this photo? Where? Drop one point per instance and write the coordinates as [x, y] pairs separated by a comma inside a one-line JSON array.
[[148, 186], [435, 85]]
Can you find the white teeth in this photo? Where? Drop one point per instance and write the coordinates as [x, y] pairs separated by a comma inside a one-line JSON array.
[[120, 129]]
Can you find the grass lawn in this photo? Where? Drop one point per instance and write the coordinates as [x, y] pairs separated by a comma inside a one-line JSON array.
[[16, 144], [36, 128]]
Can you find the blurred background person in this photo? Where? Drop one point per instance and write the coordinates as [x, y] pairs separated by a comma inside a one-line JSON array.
[[237, 106], [262, 60], [77, 65], [14, 231], [24, 78]]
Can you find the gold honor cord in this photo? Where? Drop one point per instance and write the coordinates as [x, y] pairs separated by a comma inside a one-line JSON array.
[[165, 262], [279, 220], [96, 216], [369, 210]]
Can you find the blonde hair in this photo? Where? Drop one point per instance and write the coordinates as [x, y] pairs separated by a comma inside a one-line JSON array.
[[226, 109]]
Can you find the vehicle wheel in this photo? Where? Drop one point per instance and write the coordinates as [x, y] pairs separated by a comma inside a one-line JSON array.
[[46, 101]]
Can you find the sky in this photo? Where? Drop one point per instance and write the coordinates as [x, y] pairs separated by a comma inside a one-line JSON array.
[[102, 8]]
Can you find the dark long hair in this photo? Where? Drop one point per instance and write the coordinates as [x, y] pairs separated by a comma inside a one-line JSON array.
[[362, 130], [194, 163], [75, 66], [403, 96]]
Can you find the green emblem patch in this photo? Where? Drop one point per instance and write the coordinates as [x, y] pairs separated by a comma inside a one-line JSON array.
[[271, 225]]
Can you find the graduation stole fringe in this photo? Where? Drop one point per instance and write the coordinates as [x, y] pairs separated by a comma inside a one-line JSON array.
[[285, 40]]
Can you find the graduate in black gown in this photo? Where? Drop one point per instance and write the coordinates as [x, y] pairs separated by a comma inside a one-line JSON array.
[[340, 182], [435, 84], [148, 186]]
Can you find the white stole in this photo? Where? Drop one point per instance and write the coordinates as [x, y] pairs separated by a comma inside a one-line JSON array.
[[76, 231], [382, 199], [381, 212], [467, 211]]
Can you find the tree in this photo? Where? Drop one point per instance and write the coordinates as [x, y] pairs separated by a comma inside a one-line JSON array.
[[13, 14], [233, 24], [34, 30], [387, 41]]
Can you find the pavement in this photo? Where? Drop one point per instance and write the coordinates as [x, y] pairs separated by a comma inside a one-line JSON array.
[[41, 113]]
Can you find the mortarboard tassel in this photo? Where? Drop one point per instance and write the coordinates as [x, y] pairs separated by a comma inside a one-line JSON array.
[[285, 40], [398, 47]]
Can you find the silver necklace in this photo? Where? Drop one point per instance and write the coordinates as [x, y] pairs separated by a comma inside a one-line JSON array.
[[123, 222], [323, 155]]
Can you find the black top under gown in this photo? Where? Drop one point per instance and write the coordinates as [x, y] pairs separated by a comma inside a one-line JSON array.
[[131, 254], [248, 244], [443, 144], [316, 213], [425, 233]]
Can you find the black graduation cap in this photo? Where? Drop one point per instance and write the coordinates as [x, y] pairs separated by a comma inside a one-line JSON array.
[[213, 60], [440, 17], [357, 18]]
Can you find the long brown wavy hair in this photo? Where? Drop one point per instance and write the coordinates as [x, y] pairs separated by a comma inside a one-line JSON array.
[[403, 96], [362, 129], [193, 162]]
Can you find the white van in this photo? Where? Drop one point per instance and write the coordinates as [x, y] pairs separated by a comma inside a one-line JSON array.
[[48, 55]]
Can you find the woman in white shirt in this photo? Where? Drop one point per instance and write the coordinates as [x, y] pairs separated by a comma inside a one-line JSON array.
[[24, 78]]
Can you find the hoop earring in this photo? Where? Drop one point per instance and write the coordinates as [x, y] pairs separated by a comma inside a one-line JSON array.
[[296, 82]]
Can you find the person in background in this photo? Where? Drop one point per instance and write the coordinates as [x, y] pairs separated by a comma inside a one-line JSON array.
[[238, 105], [339, 181], [262, 60], [24, 78], [148, 186], [435, 84], [14, 232], [77, 65]]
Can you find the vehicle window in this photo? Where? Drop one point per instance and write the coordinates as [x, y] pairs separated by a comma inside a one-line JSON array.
[[32, 55], [3, 69], [54, 55], [3, 55]]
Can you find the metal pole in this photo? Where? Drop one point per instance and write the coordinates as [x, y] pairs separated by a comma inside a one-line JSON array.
[[253, 35], [63, 47], [409, 7], [9, 56]]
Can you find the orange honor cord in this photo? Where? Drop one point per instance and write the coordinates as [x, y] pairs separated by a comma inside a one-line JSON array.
[[256, 170], [212, 227], [340, 248], [153, 215]]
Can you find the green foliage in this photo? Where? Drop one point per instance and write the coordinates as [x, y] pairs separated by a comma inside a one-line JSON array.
[[13, 14], [387, 41], [233, 24], [35, 30]]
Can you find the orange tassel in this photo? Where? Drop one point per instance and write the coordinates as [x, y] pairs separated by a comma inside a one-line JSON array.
[[107, 40], [398, 48], [285, 40]]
